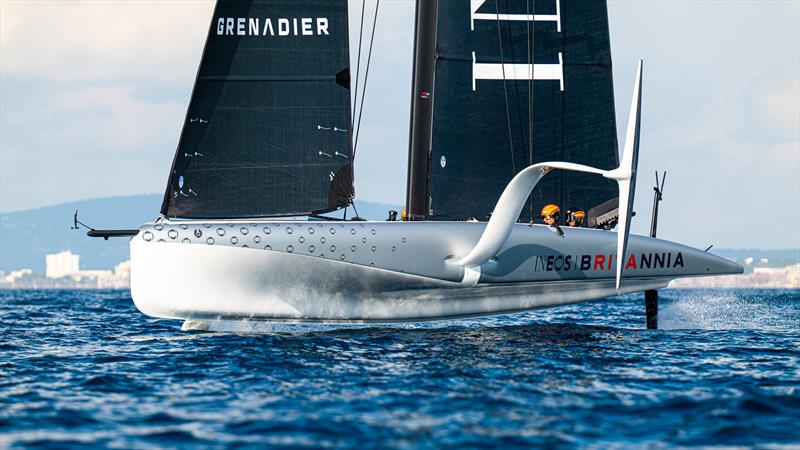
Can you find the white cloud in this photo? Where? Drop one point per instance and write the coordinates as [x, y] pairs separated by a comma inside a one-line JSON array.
[[732, 181], [93, 95], [780, 108], [99, 117], [81, 142], [85, 41]]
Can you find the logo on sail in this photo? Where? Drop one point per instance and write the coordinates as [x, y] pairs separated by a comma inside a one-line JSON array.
[[513, 71], [254, 26]]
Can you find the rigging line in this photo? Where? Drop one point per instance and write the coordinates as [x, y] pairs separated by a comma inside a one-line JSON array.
[[366, 76], [505, 89], [530, 10], [358, 62]]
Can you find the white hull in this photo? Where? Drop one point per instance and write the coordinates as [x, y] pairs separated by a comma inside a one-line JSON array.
[[204, 282], [226, 283]]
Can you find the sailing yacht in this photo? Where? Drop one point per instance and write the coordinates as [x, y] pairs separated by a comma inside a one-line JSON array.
[[511, 108]]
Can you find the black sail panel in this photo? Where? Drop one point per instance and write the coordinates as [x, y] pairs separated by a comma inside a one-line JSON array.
[[482, 125], [267, 128]]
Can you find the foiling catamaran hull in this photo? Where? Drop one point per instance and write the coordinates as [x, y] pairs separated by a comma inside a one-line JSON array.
[[385, 271]]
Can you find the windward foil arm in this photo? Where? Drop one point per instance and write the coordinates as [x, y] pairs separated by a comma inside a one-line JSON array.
[[515, 195]]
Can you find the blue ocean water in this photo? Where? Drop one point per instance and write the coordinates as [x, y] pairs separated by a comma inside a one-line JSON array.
[[86, 369]]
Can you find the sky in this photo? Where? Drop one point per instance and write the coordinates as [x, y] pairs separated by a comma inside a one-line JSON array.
[[93, 95]]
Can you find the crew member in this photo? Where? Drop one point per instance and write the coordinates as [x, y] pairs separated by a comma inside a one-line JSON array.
[[550, 214], [575, 218]]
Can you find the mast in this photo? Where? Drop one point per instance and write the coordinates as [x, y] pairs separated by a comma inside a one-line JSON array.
[[421, 110]]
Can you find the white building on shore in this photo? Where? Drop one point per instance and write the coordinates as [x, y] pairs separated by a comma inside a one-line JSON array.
[[58, 265], [62, 271], [762, 277], [15, 275]]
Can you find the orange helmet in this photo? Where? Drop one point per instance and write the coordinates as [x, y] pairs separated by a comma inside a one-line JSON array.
[[576, 217], [551, 211]]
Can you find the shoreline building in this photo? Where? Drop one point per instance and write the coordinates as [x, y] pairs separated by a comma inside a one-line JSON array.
[[61, 264], [787, 277], [14, 275], [63, 271]]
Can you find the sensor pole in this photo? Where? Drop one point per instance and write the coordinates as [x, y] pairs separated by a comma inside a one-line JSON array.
[[651, 295]]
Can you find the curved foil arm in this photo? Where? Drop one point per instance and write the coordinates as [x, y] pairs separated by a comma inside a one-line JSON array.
[[509, 207], [513, 198]]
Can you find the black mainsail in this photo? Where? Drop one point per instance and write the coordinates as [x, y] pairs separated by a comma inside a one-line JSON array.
[[267, 131], [516, 82]]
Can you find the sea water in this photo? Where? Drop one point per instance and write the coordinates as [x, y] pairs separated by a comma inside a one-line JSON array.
[[86, 369]]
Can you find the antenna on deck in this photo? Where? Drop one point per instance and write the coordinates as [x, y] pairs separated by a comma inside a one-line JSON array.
[[651, 295], [658, 190]]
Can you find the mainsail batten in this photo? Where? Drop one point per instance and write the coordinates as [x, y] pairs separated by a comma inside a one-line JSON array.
[[267, 128], [505, 75]]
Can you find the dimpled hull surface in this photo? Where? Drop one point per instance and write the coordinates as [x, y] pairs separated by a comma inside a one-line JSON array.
[[384, 271]]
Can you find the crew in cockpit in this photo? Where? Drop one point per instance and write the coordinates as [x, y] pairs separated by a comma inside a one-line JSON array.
[[575, 218], [551, 214]]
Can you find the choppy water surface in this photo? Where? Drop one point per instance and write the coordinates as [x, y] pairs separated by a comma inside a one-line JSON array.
[[86, 369]]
